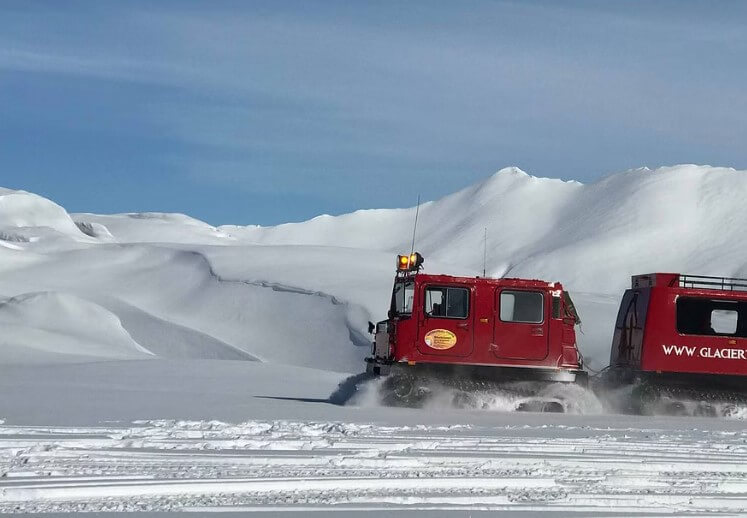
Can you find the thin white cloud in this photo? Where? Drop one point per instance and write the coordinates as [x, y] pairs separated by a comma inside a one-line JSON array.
[[103, 67]]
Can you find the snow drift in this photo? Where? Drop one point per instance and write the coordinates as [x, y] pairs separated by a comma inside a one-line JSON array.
[[50, 327]]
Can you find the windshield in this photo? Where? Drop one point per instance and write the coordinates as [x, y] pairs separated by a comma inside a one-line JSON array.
[[402, 297]]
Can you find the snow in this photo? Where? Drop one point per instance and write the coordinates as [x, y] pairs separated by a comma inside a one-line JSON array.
[[156, 227], [27, 214], [136, 349], [51, 326], [671, 218], [580, 467]]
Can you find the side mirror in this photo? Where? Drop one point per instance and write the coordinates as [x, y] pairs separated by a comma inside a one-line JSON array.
[[569, 321], [371, 327]]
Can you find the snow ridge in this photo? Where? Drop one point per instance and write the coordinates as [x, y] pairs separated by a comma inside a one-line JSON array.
[[592, 237]]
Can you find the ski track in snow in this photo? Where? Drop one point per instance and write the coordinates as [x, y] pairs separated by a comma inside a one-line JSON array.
[[327, 466]]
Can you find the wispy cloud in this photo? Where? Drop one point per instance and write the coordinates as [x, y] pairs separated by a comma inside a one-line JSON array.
[[100, 67]]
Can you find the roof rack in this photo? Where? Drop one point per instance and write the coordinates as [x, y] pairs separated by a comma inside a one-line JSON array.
[[713, 283]]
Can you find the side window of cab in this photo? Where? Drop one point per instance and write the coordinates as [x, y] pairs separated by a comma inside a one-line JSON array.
[[527, 307], [446, 302]]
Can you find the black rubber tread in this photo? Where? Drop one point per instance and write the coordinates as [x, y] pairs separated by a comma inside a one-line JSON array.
[[652, 398], [407, 390]]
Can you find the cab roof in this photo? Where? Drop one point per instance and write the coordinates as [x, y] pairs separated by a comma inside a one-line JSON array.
[[486, 281]]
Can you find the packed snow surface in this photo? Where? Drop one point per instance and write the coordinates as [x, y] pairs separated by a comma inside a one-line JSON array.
[[306, 466], [208, 435], [155, 362]]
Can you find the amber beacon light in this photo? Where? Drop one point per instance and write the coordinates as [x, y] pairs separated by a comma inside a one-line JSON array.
[[409, 263]]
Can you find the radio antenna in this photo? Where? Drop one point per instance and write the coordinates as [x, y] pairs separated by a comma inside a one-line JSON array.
[[485, 252], [415, 227]]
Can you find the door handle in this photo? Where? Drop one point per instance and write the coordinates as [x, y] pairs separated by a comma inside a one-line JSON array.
[[463, 325]]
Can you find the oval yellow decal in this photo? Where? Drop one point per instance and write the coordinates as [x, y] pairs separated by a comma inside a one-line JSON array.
[[440, 339]]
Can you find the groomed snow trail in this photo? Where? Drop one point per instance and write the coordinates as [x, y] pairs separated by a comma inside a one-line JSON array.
[[327, 466]]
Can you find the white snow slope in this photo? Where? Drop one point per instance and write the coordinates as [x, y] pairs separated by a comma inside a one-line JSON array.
[[315, 284], [159, 316]]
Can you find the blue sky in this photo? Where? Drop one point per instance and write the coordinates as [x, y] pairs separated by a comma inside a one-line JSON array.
[[264, 112]]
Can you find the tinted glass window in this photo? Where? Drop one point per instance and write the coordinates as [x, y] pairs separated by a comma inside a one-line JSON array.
[[633, 309], [522, 306], [402, 297], [447, 302], [697, 316]]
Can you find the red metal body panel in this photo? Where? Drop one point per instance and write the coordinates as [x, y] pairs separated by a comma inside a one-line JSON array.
[[649, 334], [519, 342], [483, 338]]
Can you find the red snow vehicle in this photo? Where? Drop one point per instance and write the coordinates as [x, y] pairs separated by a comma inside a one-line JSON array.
[[681, 340], [472, 333]]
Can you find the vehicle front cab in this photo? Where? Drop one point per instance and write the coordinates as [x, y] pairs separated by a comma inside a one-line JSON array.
[[441, 321]]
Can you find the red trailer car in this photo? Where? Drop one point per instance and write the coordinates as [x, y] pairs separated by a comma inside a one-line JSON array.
[[683, 340]]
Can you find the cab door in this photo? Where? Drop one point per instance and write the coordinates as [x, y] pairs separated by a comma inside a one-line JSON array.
[[520, 331], [445, 324]]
